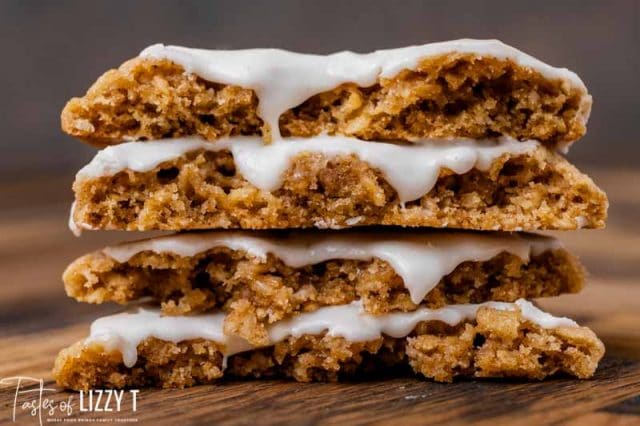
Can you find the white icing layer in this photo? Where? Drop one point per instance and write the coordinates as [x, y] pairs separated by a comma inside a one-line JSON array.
[[123, 332], [412, 170], [75, 229], [420, 258], [283, 80]]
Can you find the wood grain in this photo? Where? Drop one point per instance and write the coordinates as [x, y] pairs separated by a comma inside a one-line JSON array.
[[36, 320]]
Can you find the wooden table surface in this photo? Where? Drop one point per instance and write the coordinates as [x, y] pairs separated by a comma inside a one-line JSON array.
[[36, 320]]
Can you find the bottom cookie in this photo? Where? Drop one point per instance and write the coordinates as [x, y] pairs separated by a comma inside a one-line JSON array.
[[493, 339]]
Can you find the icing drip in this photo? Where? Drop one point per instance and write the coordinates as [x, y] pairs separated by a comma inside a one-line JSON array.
[[421, 259], [76, 230], [412, 170], [283, 80], [123, 332]]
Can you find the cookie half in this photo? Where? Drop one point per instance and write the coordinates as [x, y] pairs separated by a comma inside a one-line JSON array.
[[142, 348], [259, 278], [334, 182], [460, 88]]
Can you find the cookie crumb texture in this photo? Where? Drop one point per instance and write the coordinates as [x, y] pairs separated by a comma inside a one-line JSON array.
[[203, 190], [255, 293], [497, 344], [453, 95]]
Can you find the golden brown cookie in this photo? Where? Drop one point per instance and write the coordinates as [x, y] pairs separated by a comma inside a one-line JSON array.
[[496, 343], [260, 278], [204, 189], [474, 89]]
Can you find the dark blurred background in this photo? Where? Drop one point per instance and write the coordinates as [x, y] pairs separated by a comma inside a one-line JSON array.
[[53, 50]]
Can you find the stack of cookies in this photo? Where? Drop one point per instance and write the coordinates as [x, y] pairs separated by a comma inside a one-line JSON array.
[[442, 158]]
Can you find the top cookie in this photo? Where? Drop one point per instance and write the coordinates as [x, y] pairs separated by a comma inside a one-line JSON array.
[[462, 88]]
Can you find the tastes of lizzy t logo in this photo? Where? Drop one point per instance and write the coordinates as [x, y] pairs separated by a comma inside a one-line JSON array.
[[48, 405]]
